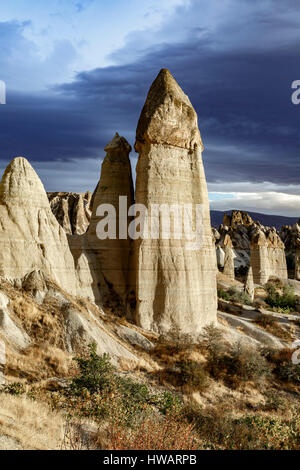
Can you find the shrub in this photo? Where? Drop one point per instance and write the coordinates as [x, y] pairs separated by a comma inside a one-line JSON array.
[[153, 434], [219, 430], [15, 388], [236, 364], [289, 373], [96, 373], [273, 402], [193, 375], [169, 404], [286, 301], [234, 295]]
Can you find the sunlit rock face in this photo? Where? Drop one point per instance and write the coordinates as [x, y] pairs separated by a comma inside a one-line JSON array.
[[267, 256], [102, 263], [30, 236], [175, 286], [72, 210]]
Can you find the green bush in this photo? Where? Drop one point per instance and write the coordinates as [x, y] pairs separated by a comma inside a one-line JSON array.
[[234, 295], [289, 373], [286, 301], [15, 388], [96, 373], [169, 404]]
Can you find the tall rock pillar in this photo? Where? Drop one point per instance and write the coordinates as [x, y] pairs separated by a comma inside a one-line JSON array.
[[175, 285], [111, 255]]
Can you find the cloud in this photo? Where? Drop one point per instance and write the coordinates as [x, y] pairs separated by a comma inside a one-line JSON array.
[[235, 59], [21, 65], [266, 202]]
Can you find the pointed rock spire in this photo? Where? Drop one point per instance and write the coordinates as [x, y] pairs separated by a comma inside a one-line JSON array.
[[249, 284], [30, 236], [20, 185], [229, 262], [112, 255], [168, 116]]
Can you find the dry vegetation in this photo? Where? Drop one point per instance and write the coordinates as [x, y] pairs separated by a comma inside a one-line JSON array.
[[209, 395]]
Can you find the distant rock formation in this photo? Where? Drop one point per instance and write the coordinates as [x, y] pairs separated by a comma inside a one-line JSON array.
[[72, 210], [30, 236], [175, 287], [237, 218], [267, 256], [229, 262], [290, 234], [262, 244]]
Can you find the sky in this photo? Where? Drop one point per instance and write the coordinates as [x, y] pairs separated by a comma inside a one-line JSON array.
[[77, 71]]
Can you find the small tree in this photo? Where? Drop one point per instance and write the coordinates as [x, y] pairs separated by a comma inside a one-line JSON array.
[[96, 373]]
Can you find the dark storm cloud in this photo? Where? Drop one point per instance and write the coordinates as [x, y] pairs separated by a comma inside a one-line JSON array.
[[241, 92]]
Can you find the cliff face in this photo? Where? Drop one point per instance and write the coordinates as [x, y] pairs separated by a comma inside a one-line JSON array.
[[175, 287]]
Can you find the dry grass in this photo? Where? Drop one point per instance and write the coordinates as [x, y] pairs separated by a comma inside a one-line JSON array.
[[31, 424], [268, 323], [169, 433], [39, 362]]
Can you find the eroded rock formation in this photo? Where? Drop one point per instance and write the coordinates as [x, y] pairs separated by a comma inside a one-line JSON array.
[[30, 236], [267, 256], [72, 210], [229, 262], [175, 286], [102, 264], [249, 284]]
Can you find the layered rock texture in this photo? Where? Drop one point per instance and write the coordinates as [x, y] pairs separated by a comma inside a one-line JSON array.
[[115, 183], [267, 256], [102, 259], [30, 236], [175, 286], [229, 262], [72, 210]]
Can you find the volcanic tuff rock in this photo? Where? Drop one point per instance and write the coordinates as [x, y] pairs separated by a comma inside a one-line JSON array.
[[229, 262], [72, 210], [267, 256], [115, 181], [30, 236], [249, 284], [290, 235], [102, 264], [175, 287]]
